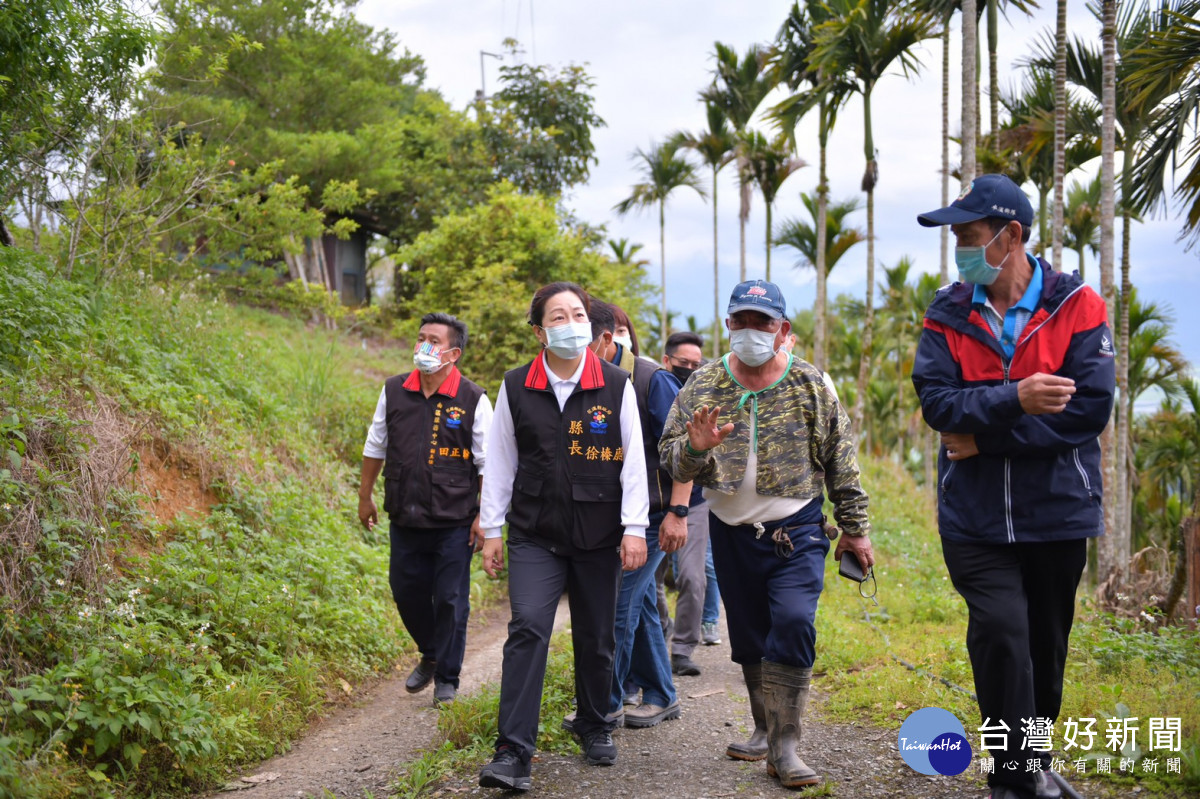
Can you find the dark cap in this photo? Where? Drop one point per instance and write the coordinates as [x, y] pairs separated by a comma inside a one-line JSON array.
[[987, 196], [757, 295]]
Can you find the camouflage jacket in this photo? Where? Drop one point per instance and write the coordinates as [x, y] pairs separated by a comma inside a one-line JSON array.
[[804, 442]]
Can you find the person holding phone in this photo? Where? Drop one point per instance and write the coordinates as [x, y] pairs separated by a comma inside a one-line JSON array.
[[765, 436]]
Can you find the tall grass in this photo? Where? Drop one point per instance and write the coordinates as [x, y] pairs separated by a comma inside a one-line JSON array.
[[145, 656]]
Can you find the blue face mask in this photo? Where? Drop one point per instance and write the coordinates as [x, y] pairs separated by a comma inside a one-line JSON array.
[[973, 266], [568, 341]]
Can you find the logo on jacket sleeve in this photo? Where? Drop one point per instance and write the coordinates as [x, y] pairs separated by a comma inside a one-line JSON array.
[[599, 414], [1106, 347], [454, 416]]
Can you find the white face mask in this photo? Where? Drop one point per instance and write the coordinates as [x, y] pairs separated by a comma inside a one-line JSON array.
[[624, 341], [570, 340], [752, 347]]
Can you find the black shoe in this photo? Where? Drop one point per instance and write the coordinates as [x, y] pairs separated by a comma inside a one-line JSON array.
[[507, 770], [599, 749], [684, 666], [421, 676], [443, 693], [613, 720]]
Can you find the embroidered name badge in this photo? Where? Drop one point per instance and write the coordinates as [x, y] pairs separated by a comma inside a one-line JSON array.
[[454, 416], [599, 414]]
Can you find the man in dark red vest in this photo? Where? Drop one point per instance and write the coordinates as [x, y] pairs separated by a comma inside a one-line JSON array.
[[428, 438]]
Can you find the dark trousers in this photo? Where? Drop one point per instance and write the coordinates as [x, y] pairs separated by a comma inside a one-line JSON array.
[[537, 577], [430, 574], [770, 600], [1021, 604]]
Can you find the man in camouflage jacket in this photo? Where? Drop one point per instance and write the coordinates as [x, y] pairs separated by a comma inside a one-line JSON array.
[[764, 435]]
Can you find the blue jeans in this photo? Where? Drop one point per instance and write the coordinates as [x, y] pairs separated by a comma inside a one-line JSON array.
[[712, 595], [641, 652]]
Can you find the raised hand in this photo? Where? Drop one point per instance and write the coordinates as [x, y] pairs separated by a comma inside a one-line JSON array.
[[703, 432]]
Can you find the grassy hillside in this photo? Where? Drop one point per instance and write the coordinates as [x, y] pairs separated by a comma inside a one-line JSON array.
[[178, 538]]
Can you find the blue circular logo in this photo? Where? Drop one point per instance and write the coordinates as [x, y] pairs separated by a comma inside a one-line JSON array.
[[933, 741]]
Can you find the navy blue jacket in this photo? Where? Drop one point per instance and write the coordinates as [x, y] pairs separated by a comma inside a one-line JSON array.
[[1036, 477]]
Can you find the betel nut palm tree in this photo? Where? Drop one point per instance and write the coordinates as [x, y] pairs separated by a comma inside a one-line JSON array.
[[1170, 57], [1135, 24], [826, 93], [738, 88], [865, 38], [663, 171], [770, 162], [715, 145]]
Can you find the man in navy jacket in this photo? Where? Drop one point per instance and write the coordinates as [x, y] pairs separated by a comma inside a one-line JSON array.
[[1015, 370]]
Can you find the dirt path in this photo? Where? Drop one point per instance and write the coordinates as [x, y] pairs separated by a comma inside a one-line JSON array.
[[354, 753]]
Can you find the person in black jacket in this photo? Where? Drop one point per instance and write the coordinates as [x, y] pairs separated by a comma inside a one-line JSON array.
[[428, 438], [1015, 370], [565, 460]]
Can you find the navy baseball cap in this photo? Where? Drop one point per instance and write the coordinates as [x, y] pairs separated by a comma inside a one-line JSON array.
[[986, 196], [758, 295]]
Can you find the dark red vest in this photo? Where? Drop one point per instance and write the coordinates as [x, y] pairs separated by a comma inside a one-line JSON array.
[[430, 477], [567, 489]]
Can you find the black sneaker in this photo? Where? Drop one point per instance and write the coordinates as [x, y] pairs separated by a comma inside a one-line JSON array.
[[599, 749], [421, 676], [507, 770], [684, 666]]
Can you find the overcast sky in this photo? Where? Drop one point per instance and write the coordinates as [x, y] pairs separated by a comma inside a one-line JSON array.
[[649, 59]]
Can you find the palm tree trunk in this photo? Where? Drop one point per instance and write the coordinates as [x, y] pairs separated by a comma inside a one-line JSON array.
[[662, 263], [1081, 262], [768, 215], [870, 178], [970, 97], [993, 72], [822, 244], [944, 230], [743, 212], [716, 334], [1110, 556], [1060, 130], [1043, 233], [1125, 419]]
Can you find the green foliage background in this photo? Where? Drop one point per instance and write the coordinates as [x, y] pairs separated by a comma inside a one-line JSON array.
[[153, 655], [484, 264]]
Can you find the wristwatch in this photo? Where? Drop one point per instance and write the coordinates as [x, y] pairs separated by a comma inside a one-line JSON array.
[[679, 510]]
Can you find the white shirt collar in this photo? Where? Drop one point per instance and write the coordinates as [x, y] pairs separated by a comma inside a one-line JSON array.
[[555, 380]]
